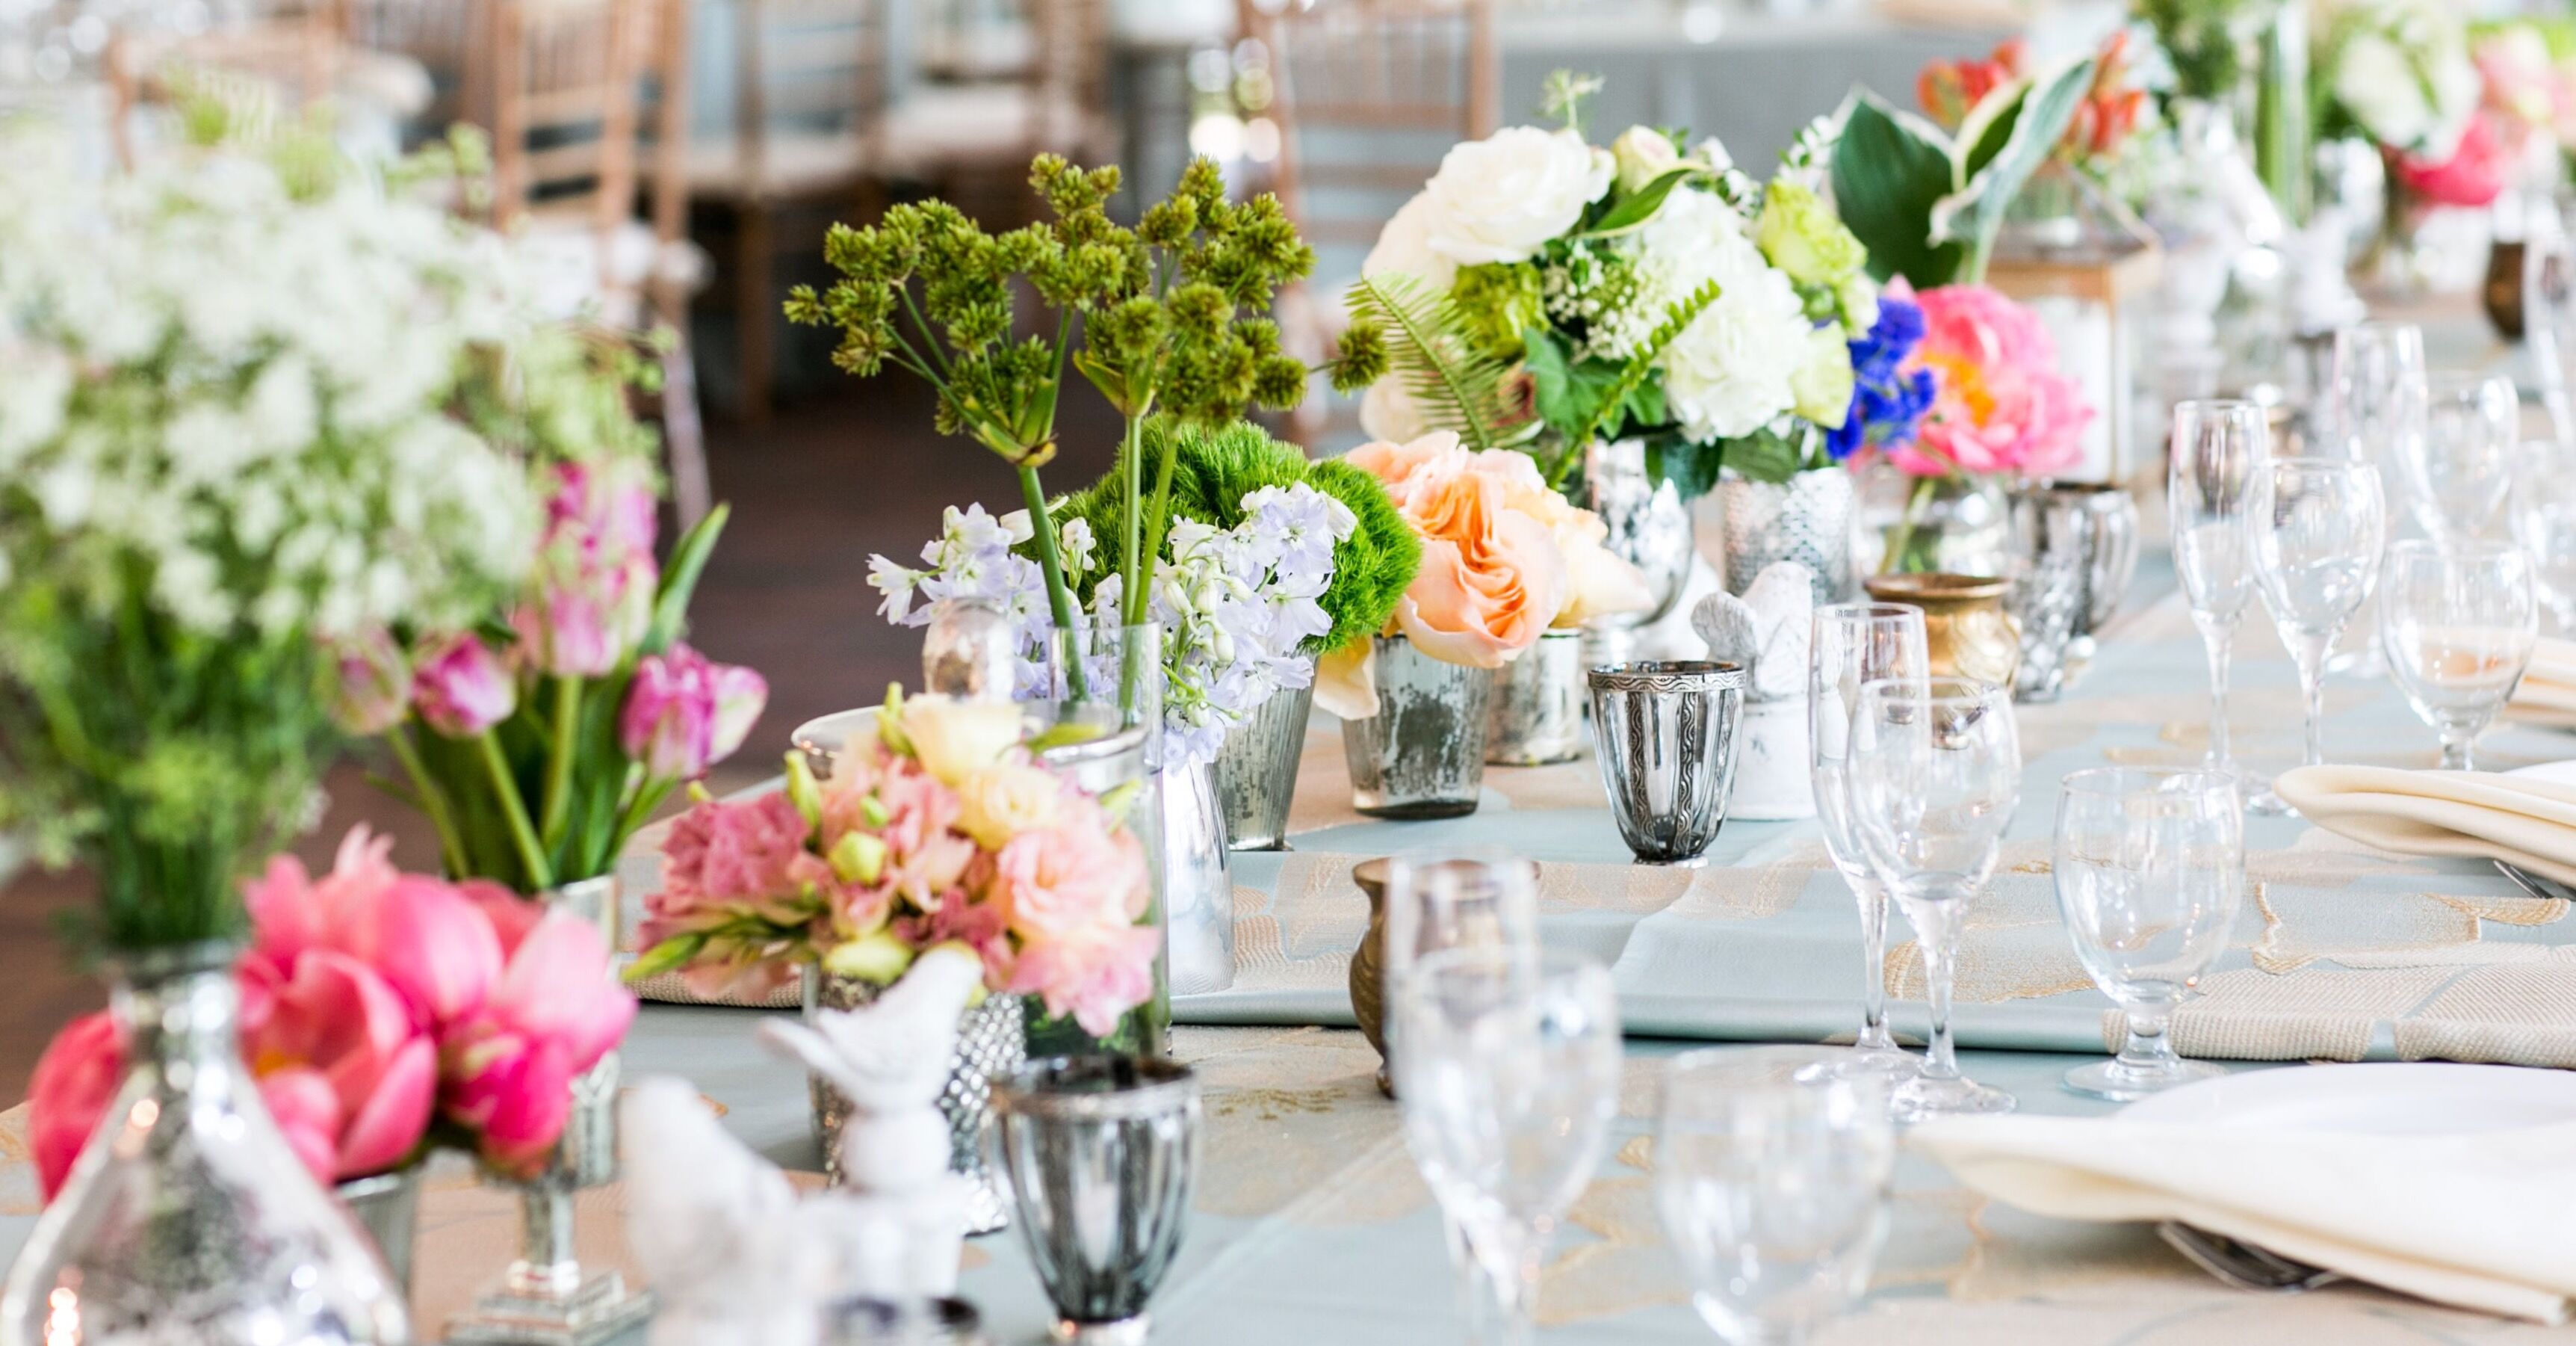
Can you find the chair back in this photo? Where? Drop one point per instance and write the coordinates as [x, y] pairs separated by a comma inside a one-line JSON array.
[[566, 76], [806, 67], [445, 36], [287, 58]]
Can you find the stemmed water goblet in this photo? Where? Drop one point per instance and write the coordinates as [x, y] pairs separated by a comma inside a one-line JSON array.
[[2542, 511], [2215, 486], [2150, 873], [2381, 395], [1772, 1182], [1507, 1071], [2457, 621], [1856, 644], [1935, 774], [2317, 543], [2457, 472]]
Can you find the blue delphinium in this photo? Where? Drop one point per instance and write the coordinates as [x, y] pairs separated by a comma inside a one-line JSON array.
[[1887, 406]]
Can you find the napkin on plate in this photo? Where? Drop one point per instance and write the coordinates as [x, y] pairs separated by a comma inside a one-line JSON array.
[[2482, 1221], [2546, 696], [2527, 823]]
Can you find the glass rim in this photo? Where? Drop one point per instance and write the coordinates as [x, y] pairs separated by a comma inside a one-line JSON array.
[[1490, 855], [1965, 691], [1867, 609], [2114, 781], [2229, 405], [1768, 1079], [2382, 326], [2466, 378], [1541, 964]]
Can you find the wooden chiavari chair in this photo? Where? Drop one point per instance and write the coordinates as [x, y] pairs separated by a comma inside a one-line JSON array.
[[290, 57]]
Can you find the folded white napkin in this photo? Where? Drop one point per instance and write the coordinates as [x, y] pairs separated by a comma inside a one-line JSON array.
[[2527, 823], [2547, 693], [2484, 1222]]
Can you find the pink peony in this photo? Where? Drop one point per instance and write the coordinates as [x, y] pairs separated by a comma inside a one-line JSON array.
[[1070, 880], [336, 1018], [2473, 176], [462, 688], [2001, 406], [75, 1080], [1095, 978], [684, 713], [506, 1070], [427, 939]]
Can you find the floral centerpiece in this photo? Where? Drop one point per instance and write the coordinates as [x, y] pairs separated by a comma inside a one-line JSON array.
[[383, 1013], [937, 825], [2111, 124], [2399, 74]]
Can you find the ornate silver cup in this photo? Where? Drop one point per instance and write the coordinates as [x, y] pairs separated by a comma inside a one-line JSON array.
[[1100, 1152], [1537, 715], [1667, 738], [1806, 519], [992, 1040], [2110, 556], [2053, 540], [1423, 754]]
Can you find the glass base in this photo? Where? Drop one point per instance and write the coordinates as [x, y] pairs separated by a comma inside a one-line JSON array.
[[601, 1310], [2269, 804], [1123, 1332], [1891, 1064], [2121, 1082], [1922, 1099]]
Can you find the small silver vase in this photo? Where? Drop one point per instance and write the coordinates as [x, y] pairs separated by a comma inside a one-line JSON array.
[[187, 1218], [387, 1206], [1256, 770], [1669, 735], [1806, 519], [992, 1040], [1537, 715], [1649, 527], [1423, 754], [1198, 887]]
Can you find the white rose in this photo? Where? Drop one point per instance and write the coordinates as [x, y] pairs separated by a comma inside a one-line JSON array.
[[1500, 199], [1001, 802], [2379, 86], [1730, 371], [955, 739], [1404, 246], [1643, 155], [1388, 412]]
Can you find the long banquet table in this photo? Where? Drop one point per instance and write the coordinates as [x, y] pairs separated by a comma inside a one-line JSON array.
[[1311, 1225]]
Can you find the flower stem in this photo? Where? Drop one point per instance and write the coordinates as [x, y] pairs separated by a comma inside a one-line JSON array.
[[558, 799], [514, 809], [1050, 564], [1900, 545], [433, 801]]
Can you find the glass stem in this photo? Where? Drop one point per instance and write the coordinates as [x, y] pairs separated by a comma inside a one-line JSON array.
[[2149, 1051], [2457, 747], [2312, 687], [1936, 922], [1501, 1284], [2220, 640], [1873, 984], [546, 1268]]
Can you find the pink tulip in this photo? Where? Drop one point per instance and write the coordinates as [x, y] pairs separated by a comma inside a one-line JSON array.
[[374, 685], [595, 574], [684, 714], [462, 688], [75, 1080]]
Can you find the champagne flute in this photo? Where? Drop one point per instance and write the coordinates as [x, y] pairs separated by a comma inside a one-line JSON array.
[[2458, 621], [2380, 401], [2150, 872], [2459, 469], [1507, 1070], [1856, 644], [2317, 543], [2542, 509], [1935, 774], [2215, 484]]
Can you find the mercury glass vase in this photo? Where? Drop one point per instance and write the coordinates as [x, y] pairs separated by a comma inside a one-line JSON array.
[[1114, 764], [1806, 519], [992, 1040], [1256, 770], [1537, 713], [1649, 527], [187, 1221], [387, 1207], [545, 1296], [1423, 754]]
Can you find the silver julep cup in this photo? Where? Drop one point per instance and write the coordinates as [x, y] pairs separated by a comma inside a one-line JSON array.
[[1667, 733], [1537, 714], [1100, 1151], [2110, 559], [2052, 556], [1256, 770], [1423, 754]]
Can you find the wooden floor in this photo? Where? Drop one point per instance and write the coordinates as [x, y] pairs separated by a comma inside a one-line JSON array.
[[814, 491]]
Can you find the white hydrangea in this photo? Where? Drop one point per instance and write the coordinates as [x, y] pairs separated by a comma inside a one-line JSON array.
[[239, 401], [1731, 371]]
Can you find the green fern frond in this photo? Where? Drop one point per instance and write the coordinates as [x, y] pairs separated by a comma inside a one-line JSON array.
[[1682, 314], [1455, 386]]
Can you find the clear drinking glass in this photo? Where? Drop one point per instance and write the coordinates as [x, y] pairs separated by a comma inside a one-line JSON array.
[[2150, 869], [2380, 395], [2317, 543], [1507, 1075], [2457, 621], [2462, 465], [1467, 897], [2542, 509], [1856, 644], [1772, 1183], [2215, 486], [1935, 774]]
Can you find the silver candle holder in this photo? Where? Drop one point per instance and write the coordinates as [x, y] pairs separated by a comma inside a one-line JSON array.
[[1667, 735]]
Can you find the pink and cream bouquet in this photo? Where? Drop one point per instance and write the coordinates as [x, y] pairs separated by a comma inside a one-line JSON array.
[[937, 826], [1505, 559], [383, 1013]]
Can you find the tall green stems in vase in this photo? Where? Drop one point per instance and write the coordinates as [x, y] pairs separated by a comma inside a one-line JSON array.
[[1170, 322]]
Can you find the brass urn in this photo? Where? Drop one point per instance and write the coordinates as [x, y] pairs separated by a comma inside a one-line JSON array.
[[1964, 622], [1368, 975]]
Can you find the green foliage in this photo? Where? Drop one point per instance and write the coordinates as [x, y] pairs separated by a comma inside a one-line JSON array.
[[1563, 95], [2199, 39], [1495, 302], [1455, 383], [1214, 468], [1573, 395]]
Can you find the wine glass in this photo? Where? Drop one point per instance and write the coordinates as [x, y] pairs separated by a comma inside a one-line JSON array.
[[2549, 310], [2459, 469], [2215, 484], [2458, 621], [2380, 397], [1772, 1182], [1856, 644], [1935, 773], [2150, 871], [1507, 1070], [2542, 510], [2317, 543]]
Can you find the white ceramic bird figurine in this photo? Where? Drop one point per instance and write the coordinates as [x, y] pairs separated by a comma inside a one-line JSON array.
[[1783, 601], [733, 1256]]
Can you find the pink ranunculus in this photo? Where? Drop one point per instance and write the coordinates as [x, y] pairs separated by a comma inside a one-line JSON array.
[[1069, 881], [2001, 406], [75, 1080], [2474, 175], [684, 713], [506, 1071], [462, 688], [1095, 977], [373, 687]]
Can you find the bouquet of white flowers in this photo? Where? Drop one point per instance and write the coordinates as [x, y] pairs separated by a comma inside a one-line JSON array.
[[249, 407]]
